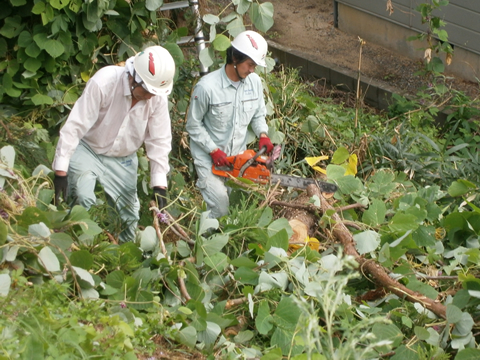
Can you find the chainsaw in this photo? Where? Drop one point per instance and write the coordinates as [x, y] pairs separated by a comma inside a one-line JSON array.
[[258, 168]]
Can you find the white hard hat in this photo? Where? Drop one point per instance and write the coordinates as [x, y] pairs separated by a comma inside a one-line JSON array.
[[156, 68], [253, 45]]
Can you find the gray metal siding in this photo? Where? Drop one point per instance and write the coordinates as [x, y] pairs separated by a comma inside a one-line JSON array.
[[462, 18]]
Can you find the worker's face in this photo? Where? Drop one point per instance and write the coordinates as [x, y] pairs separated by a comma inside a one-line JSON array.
[[246, 68], [140, 93], [138, 90]]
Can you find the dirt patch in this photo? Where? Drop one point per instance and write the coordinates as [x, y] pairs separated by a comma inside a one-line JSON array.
[[307, 26]]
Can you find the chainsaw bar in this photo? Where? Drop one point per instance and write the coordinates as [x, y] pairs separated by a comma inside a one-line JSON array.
[[302, 183]]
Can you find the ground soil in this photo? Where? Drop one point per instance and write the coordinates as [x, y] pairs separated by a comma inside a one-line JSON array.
[[307, 26]]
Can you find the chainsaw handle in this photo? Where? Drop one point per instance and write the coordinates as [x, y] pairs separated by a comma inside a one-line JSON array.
[[250, 161]]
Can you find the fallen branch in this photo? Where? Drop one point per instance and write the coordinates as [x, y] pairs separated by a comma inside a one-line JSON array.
[[377, 271], [312, 208], [181, 285], [235, 302], [177, 229]]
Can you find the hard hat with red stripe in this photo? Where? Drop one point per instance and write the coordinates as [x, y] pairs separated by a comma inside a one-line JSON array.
[[253, 45], [156, 68]]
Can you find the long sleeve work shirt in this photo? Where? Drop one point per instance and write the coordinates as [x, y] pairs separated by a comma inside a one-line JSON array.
[[220, 113], [103, 117]]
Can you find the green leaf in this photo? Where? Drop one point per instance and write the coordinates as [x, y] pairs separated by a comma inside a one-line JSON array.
[[221, 43], [48, 259], [176, 52], [265, 218], [287, 313], [217, 262], [246, 276], [24, 39], [387, 332], [59, 4], [7, 156], [18, 2], [12, 27], [32, 215], [454, 314], [90, 227], [468, 354], [187, 336], [82, 259], [211, 19], [279, 240], [206, 56], [422, 288], [263, 320], [207, 223], [40, 230], [38, 8], [243, 6], [115, 279], [32, 64], [84, 275], [40, 39], [401, 223], [405, 353], [210, 335], [375, 214], [279, 225], [32, 50], [236, 26], [262, 15], [243, 337], [214, 244], [40, 99], [5, 282], [464, 326], [242, 261], [54, 48], [460, 188], [3, 233], [340, 156], [421, 333], [366, 241], [153, 5]]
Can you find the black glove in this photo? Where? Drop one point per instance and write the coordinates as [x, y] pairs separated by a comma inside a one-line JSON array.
[[60, 183], [160, 197]]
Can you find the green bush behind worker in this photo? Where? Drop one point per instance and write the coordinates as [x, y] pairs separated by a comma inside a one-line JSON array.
[[120, 109], [224, 104]]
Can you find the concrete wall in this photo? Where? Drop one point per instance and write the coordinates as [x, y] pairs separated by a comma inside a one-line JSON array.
[[371, 21]]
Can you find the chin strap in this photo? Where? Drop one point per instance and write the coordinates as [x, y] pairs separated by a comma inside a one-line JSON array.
[[235, 67]]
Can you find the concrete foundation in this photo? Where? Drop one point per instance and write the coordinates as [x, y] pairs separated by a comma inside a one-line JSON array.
[[375, 94]]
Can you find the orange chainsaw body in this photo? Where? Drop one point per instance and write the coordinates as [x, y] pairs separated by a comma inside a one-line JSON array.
[[256, 172]]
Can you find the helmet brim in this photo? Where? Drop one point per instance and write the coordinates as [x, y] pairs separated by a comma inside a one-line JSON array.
[[165, 90]]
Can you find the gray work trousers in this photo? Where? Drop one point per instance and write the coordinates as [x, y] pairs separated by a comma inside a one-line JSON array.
[[118, 177]]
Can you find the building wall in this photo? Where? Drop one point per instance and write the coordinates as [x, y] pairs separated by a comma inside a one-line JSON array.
[[371, 21]]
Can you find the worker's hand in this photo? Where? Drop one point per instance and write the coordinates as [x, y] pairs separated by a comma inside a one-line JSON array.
[[219, 158], [265, 141], [60, 183], [160, 197]]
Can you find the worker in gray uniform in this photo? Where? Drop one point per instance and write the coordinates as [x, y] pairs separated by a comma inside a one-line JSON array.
[[120, 109], [224, 104]]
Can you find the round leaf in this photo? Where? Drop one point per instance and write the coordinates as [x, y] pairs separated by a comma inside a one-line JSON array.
[[40, 99], [54, 48], [48, 259], [211, 19], [221, 43]]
